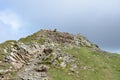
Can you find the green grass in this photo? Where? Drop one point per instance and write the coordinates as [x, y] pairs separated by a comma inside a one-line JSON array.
[[99, 66], [102, 64], [92, 65], [7, 45], [32, 38], [59, 74]]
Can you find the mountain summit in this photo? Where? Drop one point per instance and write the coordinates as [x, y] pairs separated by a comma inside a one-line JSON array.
[[54, 55]]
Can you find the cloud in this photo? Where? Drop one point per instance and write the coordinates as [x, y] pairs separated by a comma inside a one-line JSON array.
[[11, 25], [113, 50], [10, 19], [98, 20]]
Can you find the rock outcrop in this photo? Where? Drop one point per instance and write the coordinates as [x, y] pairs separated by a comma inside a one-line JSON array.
[[31, 58]]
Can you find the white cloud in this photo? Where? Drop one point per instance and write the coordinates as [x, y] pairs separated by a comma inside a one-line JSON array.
[[113, 50], [9, 18], [116, 51]]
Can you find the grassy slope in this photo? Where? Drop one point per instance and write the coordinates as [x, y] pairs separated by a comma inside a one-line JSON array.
[[6, 45], [92, 65], [98, 66]]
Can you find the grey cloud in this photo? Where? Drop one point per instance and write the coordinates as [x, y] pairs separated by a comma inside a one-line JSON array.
[[99, 20]]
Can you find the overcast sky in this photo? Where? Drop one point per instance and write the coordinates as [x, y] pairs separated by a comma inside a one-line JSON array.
[[98, 20]]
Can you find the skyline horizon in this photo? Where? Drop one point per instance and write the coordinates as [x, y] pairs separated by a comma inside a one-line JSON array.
[[99, 20], [104, 49]]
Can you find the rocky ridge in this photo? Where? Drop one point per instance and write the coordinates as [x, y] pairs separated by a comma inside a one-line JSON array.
[[32, 57]]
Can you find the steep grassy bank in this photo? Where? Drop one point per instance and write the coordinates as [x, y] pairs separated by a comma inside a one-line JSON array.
[[92, 66], [55, 55]]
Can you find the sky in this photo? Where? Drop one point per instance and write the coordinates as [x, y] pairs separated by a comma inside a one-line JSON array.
[[98, 20]]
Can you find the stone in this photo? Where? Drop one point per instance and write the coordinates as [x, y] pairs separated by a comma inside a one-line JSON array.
[[47, 51], [5, 50], [6, 59], [17, 65], [41, 68], [63, 64], [1, 77], [55, 30]]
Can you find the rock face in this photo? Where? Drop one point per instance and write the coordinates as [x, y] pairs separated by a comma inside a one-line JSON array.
[[31, 58]]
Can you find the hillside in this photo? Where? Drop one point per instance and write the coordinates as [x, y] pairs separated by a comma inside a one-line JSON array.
[[54, 55]]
